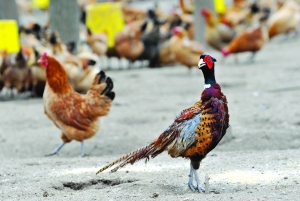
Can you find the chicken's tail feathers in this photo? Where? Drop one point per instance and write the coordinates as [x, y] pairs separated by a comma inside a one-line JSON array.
[[132, 157], [101, 78]]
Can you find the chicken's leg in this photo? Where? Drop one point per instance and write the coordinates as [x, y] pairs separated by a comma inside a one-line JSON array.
[[82, 149], [236, 59], [251, 59], [56, 150]]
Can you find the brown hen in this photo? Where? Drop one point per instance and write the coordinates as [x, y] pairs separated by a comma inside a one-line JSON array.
[[185, 51], [76, 115]]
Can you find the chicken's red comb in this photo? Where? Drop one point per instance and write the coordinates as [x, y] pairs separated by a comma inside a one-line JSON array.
[[176, 30], [43, 60], [44, 55], [204, 12]]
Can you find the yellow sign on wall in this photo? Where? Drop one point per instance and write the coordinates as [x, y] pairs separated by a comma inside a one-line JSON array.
[[41, 4], [220, 6], [9, 36], [105, 17]]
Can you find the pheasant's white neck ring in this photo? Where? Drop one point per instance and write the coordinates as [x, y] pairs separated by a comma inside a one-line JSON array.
[[206, 86]]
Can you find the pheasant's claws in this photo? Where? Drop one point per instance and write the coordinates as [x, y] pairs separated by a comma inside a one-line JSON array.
[[192, 187], [201, 189]]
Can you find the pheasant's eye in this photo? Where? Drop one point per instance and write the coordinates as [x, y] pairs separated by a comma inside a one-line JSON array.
[[207, 59]]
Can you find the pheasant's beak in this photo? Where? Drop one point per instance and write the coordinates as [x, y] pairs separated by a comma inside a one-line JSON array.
[[201, 63]]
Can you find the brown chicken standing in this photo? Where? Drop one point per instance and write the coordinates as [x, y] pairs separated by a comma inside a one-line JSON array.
[[285, 20], [76, 115], [250, 40], [217, 35], [16, 77], [185, 50], [195, 131], [98, 42]]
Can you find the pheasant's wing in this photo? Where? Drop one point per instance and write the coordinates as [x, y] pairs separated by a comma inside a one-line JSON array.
[[72, 111], [186, 136], [181, 133]]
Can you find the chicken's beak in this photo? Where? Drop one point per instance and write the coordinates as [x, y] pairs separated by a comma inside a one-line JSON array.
[[201, 63], [39, 60]]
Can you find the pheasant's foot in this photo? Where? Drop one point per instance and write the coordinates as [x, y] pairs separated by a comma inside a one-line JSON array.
[[200, 189], [199, 186], [190, 183]]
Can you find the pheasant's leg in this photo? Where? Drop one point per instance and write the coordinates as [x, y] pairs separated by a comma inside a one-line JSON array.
[[82, 149], [56, 150], [191, 178], [199, 186]]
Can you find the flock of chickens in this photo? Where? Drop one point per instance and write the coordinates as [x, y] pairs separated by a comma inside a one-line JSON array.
[[158, 37]]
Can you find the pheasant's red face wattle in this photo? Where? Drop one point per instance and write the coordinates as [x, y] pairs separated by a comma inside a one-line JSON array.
[[209, 61]]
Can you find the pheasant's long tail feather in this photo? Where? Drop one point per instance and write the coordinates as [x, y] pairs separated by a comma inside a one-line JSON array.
[[132, 157]]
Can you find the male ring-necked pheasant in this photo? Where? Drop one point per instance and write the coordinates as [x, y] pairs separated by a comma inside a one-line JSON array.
[[195, 131]]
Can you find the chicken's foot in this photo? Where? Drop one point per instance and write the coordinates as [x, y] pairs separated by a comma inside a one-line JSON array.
[[56, 150]]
